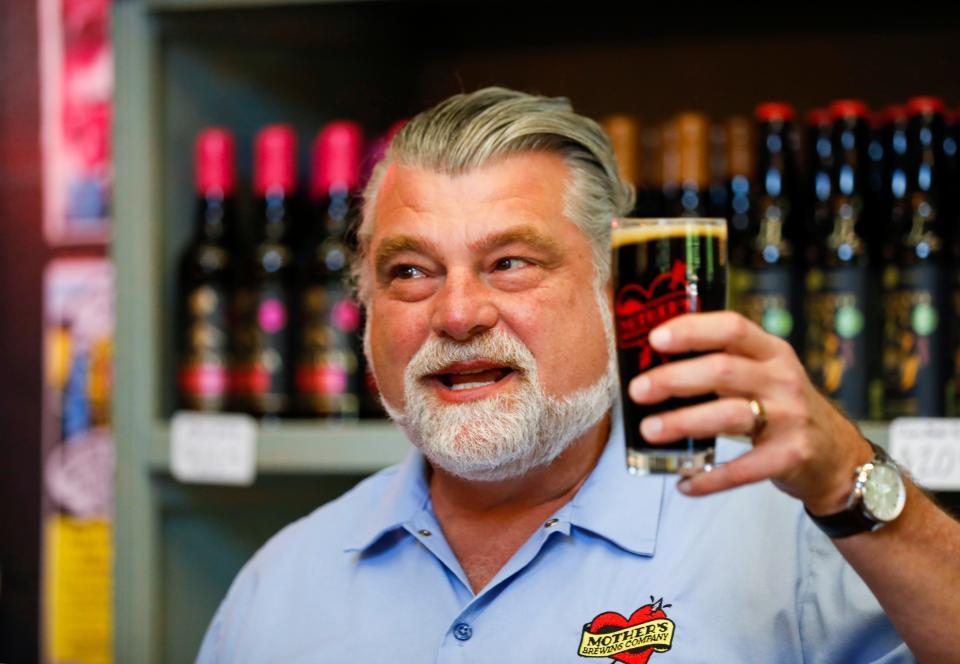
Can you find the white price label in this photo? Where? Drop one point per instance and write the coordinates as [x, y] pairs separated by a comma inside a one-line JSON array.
[[929, 448], [213, 448]]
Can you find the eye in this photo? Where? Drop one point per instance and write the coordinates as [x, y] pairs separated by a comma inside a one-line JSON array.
[[406, 272], [510, 263]]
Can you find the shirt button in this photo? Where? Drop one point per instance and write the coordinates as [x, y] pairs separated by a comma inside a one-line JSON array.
[[463, 631], [425, 532], [551, 523]]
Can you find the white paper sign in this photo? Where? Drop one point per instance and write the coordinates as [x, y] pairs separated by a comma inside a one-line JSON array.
[[929, 448], [213, 448]]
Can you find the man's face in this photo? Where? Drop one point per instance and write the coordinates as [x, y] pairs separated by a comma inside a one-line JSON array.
[[483, 282]]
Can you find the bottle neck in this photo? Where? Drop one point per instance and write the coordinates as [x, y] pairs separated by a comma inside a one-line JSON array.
[[334, 211], [274, 215], [213, 216]]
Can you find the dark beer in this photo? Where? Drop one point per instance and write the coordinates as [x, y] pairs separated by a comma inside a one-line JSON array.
[[663, 268]]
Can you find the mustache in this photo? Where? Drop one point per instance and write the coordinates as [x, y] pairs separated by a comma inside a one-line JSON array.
[[493, 346]]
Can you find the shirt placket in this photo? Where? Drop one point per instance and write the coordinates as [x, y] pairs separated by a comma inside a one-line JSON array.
[[464, 639]]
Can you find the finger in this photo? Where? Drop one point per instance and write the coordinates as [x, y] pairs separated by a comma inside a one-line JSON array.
[[715, 330], [761, 463], [719, 373], [722, 416]]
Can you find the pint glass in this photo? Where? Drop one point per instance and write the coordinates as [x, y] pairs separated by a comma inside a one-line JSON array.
[[663, 268]]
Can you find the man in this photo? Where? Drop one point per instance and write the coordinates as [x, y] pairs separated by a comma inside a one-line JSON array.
[[514, 533]]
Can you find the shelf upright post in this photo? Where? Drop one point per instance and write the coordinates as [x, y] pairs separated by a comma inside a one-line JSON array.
[[135, 255]]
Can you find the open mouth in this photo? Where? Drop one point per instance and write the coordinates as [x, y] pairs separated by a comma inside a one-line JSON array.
[[471, 375]]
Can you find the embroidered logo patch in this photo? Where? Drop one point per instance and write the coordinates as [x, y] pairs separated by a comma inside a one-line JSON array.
[[632, 640]]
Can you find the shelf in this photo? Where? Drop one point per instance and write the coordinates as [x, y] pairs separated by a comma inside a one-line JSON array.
[[353, 448], [309, 448]]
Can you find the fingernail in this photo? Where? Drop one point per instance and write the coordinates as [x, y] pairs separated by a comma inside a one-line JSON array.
[[684, 486], [652, 425], [640, 387], [660, 337]]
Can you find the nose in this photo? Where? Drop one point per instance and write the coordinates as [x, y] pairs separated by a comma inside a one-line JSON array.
[[463, 307]]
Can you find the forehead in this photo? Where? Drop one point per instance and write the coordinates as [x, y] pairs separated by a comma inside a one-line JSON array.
[[527, 189]]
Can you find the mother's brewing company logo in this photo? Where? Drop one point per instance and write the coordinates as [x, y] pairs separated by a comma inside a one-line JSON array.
[[640, 309], [630, 640]]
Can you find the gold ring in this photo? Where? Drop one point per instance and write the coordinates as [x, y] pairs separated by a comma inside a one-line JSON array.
[[759, 417]]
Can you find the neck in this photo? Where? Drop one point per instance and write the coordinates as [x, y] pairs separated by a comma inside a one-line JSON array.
[[545, 487]]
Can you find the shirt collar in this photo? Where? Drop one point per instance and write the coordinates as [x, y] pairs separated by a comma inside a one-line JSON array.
[[405, 495], [618, 506], [613, 504]]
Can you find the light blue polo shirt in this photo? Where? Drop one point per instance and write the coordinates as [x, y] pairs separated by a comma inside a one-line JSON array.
[[629, 570]]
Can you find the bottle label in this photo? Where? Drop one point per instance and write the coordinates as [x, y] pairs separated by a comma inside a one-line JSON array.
[[202, 374], [913, 341], [838, 349], [328, 379], [768, 297], [262, 373]]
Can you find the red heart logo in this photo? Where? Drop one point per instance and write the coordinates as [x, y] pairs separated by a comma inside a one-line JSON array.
[[611, 621]]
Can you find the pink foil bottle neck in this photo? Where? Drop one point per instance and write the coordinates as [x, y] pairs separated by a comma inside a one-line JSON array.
[[337, 152], [215, 158], [275, 160]]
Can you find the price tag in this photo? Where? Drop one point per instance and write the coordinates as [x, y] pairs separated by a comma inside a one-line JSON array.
[[213, 448], [929, 448]]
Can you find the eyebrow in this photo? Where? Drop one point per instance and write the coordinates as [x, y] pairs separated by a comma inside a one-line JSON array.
[[391, 246], [522, 235], [399, 244]]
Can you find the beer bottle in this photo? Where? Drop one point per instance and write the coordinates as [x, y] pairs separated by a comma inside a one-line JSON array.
[[876, 199], [952, 150], [329, 375], [718, 171], [767, 282], [264, 375], [650, 193], [818, 216], [740, 170], [840, 342], [691, 196], [670, 173], [206, 279], [895, 199], [914, 332], [624, 133]]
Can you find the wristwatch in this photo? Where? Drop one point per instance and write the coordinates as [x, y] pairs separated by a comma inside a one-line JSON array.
[[878, 497]]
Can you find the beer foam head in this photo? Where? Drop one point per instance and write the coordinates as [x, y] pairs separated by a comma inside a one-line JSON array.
[[633, 231]]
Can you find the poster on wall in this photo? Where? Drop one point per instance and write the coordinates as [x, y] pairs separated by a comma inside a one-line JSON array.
[[78, 465], [76, 81]]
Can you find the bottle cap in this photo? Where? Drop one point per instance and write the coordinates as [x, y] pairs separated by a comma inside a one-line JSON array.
[[336, 158], [774, 111], [848, 108], [214, 159], [275, 159], [924, 105]]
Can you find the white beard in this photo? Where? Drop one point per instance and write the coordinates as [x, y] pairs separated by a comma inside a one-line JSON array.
[[505, 435]]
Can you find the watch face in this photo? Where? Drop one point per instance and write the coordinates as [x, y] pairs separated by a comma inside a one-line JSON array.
[[884, 493]]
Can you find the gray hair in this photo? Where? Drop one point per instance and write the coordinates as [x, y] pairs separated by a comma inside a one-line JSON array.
[[467, 131]]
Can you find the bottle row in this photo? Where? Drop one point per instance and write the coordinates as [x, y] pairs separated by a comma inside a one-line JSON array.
[[843, 241], [843, 236], [267, 323]]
